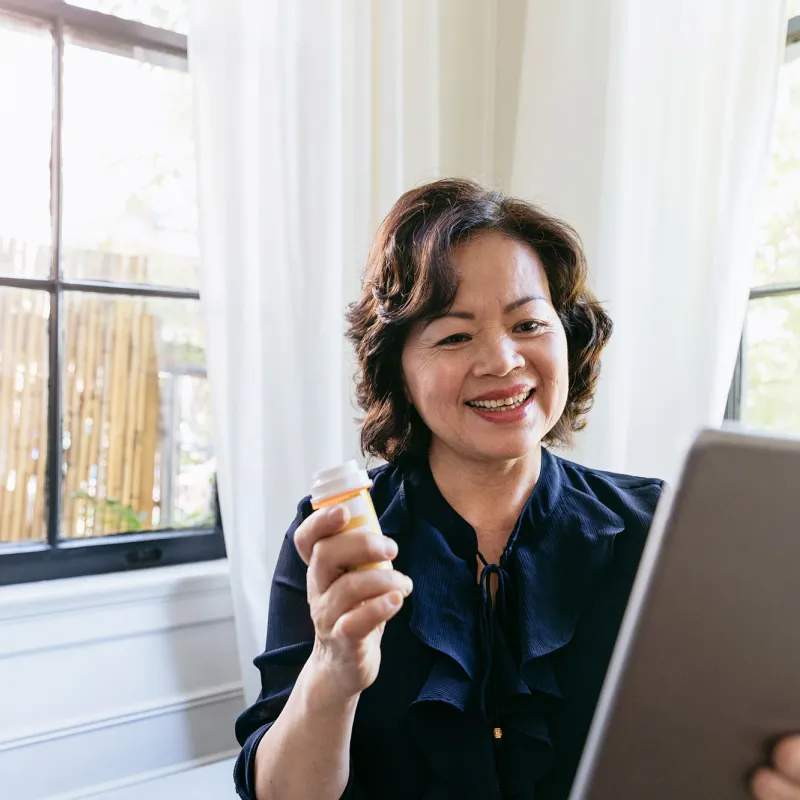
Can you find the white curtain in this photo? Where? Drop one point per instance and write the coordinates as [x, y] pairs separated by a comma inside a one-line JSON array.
[[312, 117], [647, 125], [644, 128]]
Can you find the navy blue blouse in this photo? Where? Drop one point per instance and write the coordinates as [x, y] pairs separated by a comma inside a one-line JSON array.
[[453, 668]]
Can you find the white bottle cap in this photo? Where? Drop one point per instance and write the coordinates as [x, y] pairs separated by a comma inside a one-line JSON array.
[[347, 477]]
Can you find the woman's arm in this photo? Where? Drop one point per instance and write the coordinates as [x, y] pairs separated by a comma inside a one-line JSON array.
[[305, 755]]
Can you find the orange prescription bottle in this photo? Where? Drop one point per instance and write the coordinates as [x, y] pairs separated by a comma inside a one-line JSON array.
[[348, 485]]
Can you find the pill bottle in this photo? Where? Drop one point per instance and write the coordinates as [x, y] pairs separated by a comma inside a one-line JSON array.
[[348, 485]]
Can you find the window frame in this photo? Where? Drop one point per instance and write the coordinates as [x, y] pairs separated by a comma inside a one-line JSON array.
[[55, 558], [733, 408]]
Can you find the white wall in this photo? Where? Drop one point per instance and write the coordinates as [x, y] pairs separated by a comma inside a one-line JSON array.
[[115, 679]]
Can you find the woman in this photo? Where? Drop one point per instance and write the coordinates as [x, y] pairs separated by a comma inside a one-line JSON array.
[[478, 341]]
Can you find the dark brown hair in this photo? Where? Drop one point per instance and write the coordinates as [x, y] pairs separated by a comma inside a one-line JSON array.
[[410, 276]]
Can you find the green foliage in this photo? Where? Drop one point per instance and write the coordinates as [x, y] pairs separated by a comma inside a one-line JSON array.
[[115, 515], [772, 334]]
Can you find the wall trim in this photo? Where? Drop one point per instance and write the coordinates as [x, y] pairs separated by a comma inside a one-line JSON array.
[[60, 598], [73, 642], [40, 618], [146, 777], [178, 704], [45, 635]]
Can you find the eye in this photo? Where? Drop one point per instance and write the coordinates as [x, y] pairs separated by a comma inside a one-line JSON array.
[[530, 326], [456, 338]]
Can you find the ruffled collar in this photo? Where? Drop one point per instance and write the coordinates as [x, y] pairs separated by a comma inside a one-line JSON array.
[[552, 567]]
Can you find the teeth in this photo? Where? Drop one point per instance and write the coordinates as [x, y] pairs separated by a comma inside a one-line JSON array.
[[504, 404]]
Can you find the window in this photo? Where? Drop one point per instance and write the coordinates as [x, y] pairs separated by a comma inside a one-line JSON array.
[[766, 388], [170, 14], [106, 461]]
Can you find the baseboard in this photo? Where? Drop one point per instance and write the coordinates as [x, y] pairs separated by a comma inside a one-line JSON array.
[[90, 756], [146, 777], [176, 705]]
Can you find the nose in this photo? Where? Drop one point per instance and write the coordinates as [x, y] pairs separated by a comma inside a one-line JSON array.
[[498, 357]]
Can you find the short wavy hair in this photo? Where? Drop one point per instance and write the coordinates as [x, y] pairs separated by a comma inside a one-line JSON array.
[[410, 276]]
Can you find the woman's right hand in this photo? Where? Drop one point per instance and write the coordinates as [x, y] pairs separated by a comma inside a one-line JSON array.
[[349, 608]]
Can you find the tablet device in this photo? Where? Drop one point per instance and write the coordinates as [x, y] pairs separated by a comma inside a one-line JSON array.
[[705, 673]]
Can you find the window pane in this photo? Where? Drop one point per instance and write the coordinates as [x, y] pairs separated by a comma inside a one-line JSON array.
[[25, 132], [772, 364], [136, 428], [171, 14], [130, 211], [23, 414], [778, 257]]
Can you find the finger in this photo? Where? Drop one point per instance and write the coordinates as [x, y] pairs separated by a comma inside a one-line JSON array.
[[320, 525], [351, 590], [335, 555], [362, 620], [786, 758], [767, 784]]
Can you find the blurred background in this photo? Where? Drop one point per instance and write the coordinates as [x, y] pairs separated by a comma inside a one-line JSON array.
[[293, 127]]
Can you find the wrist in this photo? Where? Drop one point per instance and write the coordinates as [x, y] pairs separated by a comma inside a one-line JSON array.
[[322, 691]]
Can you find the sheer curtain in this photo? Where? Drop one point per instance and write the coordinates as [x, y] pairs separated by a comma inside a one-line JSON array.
[[647, 125], [647, 129], [312, 117]]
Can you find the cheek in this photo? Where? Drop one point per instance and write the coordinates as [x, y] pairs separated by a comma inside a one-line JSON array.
[[550, 360], [563, 359], [441, 386], [432, 381]]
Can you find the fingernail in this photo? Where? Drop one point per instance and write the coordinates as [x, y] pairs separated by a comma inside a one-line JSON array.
[[395, 599], [337, 515], [390, 548], [409, 585]]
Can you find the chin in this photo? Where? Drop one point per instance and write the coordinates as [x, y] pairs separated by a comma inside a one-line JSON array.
[[508, 450]]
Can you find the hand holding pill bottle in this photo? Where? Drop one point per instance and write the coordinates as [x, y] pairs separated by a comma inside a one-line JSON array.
[[348, 486]]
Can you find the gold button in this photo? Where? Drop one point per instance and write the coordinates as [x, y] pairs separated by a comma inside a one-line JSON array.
[[498, 733]]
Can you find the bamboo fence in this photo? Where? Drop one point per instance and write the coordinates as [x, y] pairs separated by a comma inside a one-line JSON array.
[[23, 413], [110, 407]]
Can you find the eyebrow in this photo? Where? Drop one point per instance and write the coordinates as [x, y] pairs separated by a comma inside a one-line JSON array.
[[513, 306]]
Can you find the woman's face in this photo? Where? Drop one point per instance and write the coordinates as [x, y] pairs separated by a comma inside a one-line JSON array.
[[489, 378]]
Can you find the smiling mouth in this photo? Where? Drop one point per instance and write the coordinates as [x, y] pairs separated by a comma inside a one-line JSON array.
[[504, 404]]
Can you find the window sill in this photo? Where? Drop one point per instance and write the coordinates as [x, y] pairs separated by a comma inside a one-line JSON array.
[[128, 553]]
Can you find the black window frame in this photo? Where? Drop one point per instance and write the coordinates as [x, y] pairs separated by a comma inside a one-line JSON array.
[[733, 408], [56, 558]]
